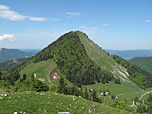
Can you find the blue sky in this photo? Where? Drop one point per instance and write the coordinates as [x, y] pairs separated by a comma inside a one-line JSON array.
[[112, 24]]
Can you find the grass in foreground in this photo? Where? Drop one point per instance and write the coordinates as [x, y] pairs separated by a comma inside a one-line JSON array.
[[51, 103]]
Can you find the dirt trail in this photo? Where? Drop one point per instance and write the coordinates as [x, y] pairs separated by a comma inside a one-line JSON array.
[[144, 94], [136, 93]]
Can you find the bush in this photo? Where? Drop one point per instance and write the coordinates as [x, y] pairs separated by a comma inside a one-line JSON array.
[[38, 86]]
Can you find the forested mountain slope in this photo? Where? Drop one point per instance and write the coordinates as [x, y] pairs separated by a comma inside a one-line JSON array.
[[143, 62], [76, 58], [72, 61]]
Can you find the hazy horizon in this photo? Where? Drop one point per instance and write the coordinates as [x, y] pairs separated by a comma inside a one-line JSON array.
[[102, 48]]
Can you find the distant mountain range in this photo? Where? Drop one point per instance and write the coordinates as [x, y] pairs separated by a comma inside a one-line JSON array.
[[129, 54], [12, 54], [34, 51]]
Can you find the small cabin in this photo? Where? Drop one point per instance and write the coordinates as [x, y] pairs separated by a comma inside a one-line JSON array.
[[117, 97], [106, 93], [101, 94], [42, 79]]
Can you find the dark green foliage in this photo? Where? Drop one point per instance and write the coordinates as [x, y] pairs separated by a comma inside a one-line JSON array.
[[66, 89], [5, 79], [142, 78], [73, 61], [126, 100], [141, 109], [94, 96], [14, 76], [113, 97], [38, 86], [23, 78], [32, 77], [61, 82], [149, 103], [120, 104], [117, 81], [74, 90], [149, 99], [149, 109], [136, 99], [30, 85], [62, 88]]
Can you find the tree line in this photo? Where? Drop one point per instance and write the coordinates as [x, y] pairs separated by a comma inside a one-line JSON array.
[[64, 88]]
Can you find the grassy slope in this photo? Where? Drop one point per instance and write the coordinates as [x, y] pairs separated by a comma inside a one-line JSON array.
[[123, 91], [42, 69], [143, 62], [102, 58], [51, 103], [107, 62]]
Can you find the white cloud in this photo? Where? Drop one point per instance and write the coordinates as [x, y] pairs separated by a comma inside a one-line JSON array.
[[6, 13], [105, 24], [148, 21], [37, 19], [55, 19], [71, 14], [11, 15], [7, 36], [3, 7], [85, 27]]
